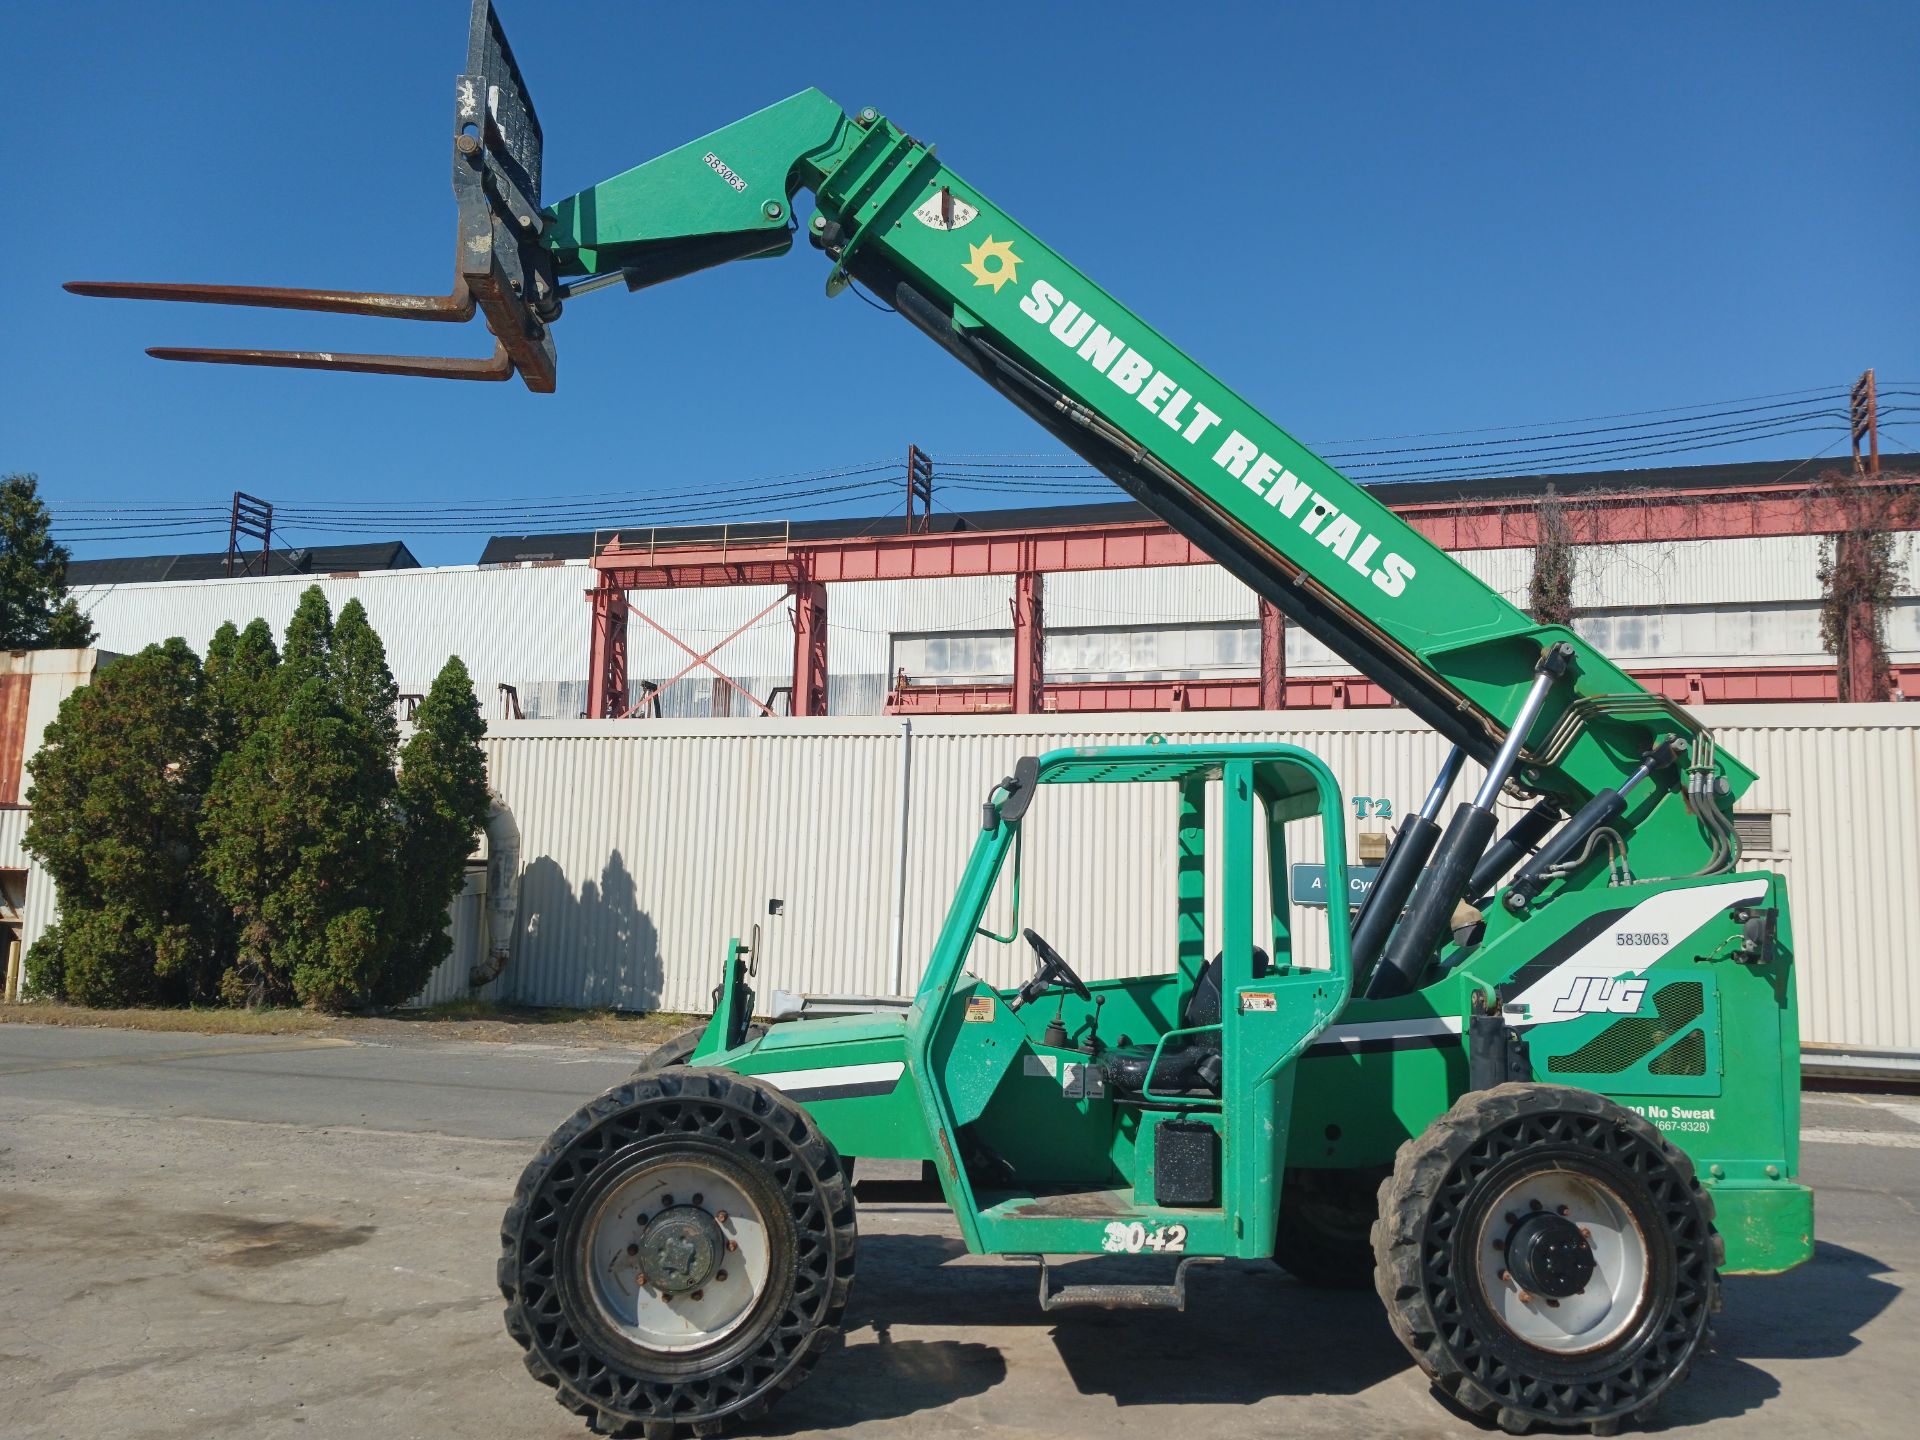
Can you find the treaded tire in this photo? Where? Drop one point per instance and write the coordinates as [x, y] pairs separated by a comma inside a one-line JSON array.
[[1445, 1182], [1325, 1235], [619, 1387], [679, 1049]]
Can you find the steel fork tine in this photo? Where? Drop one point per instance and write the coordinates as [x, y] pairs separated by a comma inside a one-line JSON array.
[[498, 366], [456, 307]]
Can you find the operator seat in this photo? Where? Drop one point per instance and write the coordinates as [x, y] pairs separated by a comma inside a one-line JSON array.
[[1189, 1064]]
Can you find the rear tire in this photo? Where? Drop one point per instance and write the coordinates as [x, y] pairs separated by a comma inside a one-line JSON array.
[[678, 1253], [1547, 1257], [1325, 1235]]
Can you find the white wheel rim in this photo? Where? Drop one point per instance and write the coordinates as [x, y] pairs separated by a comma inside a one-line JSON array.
[[1613, 1297], [637, 1306]]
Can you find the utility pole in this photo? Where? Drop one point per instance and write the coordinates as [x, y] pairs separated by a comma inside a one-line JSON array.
[[1859, 680], [1864, 412], [251, 519], [920, 488]]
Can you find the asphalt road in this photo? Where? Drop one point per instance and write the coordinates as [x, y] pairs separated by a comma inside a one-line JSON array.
[[257, 1237]]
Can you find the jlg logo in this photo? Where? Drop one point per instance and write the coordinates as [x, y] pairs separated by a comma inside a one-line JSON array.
[[1591, 995]]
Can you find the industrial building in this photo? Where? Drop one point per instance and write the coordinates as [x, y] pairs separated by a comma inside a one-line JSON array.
[[1703, 581]]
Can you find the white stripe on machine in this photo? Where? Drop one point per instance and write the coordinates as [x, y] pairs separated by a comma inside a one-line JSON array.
[[839, 1081]]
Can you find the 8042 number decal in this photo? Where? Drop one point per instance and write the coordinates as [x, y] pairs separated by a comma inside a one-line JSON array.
[[1125, 1239]]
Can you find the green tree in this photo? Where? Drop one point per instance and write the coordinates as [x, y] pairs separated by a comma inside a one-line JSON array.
[[36, 613], [299, 830], [362, 680], [242, 682], [443, 805], [309, 639], [238, 829], [117, 790], [303, 826], [243, 693]]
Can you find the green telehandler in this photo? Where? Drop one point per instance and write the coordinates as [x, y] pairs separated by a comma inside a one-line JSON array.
[[1543, 1093]]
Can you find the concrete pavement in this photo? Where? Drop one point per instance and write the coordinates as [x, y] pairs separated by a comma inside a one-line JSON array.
[[272, 1237]]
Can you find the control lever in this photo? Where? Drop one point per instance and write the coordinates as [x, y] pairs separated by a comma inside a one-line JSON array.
[[1092, 1047]]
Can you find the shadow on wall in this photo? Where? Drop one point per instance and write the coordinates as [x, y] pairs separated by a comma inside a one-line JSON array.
[[595, 948]]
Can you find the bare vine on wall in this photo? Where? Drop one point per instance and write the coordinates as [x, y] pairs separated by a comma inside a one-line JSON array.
[[1550, 591], [1861, 571]]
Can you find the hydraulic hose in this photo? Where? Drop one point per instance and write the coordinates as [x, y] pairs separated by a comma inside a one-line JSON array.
[[1603, 809]]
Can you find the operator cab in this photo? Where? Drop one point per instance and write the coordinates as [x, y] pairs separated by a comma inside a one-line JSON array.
[[1115, 1077]]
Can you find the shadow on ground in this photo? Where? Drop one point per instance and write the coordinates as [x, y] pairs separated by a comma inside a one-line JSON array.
[[911, 1280], [1815, 1312]]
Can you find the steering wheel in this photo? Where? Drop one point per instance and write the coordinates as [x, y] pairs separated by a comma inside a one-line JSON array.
[[1052, 971]]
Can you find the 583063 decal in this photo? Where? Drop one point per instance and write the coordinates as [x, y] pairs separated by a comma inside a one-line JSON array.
[[1125, 1239]]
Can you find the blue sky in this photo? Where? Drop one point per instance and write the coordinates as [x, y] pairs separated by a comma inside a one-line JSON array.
[[1369, 219]]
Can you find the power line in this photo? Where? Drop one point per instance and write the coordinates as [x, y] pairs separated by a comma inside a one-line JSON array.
[[1533, 448]]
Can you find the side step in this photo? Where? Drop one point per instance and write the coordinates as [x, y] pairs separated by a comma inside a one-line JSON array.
[[1116, 1297]]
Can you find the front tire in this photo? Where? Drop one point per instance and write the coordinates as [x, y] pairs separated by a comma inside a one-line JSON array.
[[1547, 1257], [678, 1253], [678, 1049]]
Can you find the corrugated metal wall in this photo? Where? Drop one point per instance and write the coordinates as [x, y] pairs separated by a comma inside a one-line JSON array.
[[13, 834], [644, 849], [1844, 783], [466, 920]]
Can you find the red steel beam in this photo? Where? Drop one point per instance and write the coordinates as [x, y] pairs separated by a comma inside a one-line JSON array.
[[809, 649], [1029, 642], [1642, 516], [1755, 684], [607, 654], [1273, 657]]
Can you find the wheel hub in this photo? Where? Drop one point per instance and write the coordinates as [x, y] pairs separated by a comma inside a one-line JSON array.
[[1548, 1255], [677, 1253], [681, 1249], [1563, 1264]]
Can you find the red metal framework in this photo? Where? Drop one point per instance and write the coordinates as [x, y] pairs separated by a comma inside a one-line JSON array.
[[771, 555], [1731, 685]]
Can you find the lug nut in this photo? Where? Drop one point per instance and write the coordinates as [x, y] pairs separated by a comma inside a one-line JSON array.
[[633, 1249], [698, 1293], [1525, 1298], [1535, 1205], [697, 1199], [1500, 1245], [1585, 1233], [640, 1280], [1552, 1304], [665, 1200], [1565, 1209], [720, 1275], [733, 1245], [720, 1217]]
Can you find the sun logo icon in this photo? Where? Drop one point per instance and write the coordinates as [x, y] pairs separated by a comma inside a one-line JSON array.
[[1006, 265]]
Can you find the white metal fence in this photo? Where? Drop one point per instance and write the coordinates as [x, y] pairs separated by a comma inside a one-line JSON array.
[[645, 847]]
